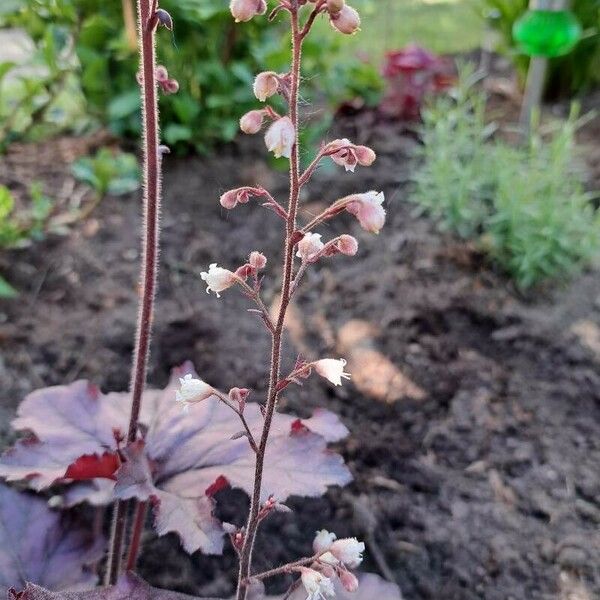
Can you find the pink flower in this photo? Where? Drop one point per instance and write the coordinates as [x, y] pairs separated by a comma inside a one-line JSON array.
[[281, 137], [244, 10], [252, 121], [349, 155], [323, 541], [332, 370], [346, 20], [316, 584], [348, 551], [309, 246], [265, 85], [368, 210]]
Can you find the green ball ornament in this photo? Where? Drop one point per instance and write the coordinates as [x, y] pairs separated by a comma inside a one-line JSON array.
[[547, 29]]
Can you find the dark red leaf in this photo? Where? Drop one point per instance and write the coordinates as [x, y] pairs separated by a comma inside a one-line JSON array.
[[91, 466]]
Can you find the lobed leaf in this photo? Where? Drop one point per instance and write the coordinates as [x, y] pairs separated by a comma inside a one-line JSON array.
[[36, 545], [73, 432]]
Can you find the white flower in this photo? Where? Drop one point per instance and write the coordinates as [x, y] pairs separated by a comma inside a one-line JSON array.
[[317, 585], [332, 369], [368, 210], [323, 540], [309, 245], [192, 390], [281, 137], [217, 279], [348, 551]]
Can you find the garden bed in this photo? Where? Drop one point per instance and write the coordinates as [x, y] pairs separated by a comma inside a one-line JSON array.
[[474, 412]]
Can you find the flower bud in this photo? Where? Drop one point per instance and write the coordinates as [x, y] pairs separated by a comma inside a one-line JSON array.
[[347, 245], [231, 198], [217, 279], [164, 19], [170, 86], [334, 6], [244, 10], [161, 74], [265, 85], [309, 246], [347, 20], [281, 137], [257, 260], [349, 581], [252, 121], [365, 156]]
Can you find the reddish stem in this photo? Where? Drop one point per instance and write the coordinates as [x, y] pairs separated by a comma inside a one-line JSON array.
[[136, 534], [273, 393], [150, 244]]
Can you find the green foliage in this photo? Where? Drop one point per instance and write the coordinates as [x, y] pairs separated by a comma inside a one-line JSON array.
[[211, 57], [19, 230], [524, 206], [577, 72], [108, 172]]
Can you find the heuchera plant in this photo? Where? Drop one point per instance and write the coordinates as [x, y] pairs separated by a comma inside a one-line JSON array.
[[413, 74], [171, 450]]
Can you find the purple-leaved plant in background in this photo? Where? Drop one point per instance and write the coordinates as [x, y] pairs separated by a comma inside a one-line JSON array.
[[171, 450]]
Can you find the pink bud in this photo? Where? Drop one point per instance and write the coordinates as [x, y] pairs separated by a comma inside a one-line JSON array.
[[365, 156], [281, 137], [349, 581], [257, 260], [170, 86], [244, 271], [244, 10], [346, 20], [161, 74], [231, 198], [347, 245], [252, 121], [265, 85]]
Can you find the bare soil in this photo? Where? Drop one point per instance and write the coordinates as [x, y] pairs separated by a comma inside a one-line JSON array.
[[474, 411]]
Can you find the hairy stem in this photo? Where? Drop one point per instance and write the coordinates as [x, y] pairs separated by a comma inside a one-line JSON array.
[[288, 265], [136, 534], [150, 245]]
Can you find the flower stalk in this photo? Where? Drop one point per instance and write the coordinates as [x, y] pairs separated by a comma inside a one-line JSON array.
[[147, 23]]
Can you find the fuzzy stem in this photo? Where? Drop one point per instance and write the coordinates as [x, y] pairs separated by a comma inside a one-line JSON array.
[[136, 534], [150, 245], [272, 395]]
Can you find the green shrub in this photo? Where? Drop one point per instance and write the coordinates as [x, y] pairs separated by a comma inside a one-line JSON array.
[[525, 206], [207, 54], [577, 72]]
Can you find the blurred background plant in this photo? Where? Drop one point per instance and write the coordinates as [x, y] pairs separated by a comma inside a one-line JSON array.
[[525, 206], [578, 71]]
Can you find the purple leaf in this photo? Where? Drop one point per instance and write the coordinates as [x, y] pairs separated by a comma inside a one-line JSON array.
[[181, 457], [36, 545], [129, 587]]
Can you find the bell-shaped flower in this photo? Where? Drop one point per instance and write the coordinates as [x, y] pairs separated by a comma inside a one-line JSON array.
[[257, 260], [281, 137], [244, 10], [192, 391], [368, 210], [323, 541], [218, 279], [347, 20], [348, 551], [252, 121], [265, 85], [331, 369], [317, 586], [309, 246], [349, 155]]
